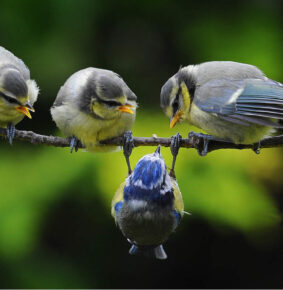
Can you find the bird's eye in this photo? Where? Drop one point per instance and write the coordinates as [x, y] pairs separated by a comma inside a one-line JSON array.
[[10, 99]]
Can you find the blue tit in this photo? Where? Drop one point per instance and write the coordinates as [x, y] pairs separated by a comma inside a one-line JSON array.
[[148, 206], [229, 100], [18, 92], [94, 105]]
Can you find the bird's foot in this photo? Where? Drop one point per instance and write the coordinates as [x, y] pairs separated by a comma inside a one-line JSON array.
[[256, 147], [10, 132], [128, 145], [174, 147], [200, 142], [74, 143]]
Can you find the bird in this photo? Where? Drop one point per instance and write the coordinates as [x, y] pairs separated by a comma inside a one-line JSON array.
[[148, 206], [94, 105], [18, 92], [233, 102]]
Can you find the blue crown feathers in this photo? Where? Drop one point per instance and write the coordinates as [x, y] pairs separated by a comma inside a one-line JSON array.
[[150, 181]]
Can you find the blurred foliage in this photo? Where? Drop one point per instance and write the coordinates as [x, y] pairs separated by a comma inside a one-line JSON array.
[[56, 228]]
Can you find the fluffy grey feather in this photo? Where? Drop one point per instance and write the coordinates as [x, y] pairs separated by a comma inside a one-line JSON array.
[[8, 58]]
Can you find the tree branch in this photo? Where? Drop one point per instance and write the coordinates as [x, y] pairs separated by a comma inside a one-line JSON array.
[[192, 142]]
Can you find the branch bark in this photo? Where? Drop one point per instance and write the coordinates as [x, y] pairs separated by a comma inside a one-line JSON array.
[[192, 142]]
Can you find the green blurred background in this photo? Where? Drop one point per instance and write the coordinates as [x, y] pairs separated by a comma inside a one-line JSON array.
[[56, 230]]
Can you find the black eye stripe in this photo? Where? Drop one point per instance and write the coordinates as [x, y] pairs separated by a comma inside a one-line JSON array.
[[110, 103], [175, 104], [10, 99]]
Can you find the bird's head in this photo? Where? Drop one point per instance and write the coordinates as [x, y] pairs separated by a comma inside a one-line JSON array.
[[110, 98], [150, 181], [177, 95], [14, 91]]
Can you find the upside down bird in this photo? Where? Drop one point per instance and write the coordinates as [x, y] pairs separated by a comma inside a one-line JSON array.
[[148, 206], [18, 92], [232, 101]]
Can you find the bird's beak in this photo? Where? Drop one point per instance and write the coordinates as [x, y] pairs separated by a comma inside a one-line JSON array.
[[157, 151], [126, 109], [25, 109], [175, 119], [29, 106]]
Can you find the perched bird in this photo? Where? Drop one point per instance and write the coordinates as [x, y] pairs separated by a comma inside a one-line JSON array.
[[148, 206], [18, 92], [94, 105], [232, 101]]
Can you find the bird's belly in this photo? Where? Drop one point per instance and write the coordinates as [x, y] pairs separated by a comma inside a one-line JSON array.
[[147, 227], [9, 115], [217, 127], [89, 130]]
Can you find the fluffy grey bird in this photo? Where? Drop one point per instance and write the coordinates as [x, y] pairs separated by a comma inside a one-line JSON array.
[[94, 105], [229, 100], [18, 92]]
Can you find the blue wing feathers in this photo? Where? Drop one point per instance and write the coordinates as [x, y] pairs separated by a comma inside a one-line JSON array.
[[261, 98], [269, 107], [263, 88], [118, 206], [257, 101], [255, 120], [177, 216], [259, 114]]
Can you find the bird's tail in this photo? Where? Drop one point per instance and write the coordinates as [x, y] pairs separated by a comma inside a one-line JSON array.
[[149, 251]]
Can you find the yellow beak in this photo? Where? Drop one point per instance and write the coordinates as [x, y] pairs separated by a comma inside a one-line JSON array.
[[126, 109], [175, 119], [25, 110]]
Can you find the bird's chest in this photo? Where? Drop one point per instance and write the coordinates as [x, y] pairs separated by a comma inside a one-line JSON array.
[[90, 130], [115, 127], [8, 115], [147, 226]]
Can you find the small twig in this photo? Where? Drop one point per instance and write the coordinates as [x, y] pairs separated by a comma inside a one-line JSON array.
[[193, 142], [37, 139]]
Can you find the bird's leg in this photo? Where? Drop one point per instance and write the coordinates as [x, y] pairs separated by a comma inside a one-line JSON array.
[[128, 145], [175, 146], [10, 132], [74, 143], [256, 147], [205, 141]]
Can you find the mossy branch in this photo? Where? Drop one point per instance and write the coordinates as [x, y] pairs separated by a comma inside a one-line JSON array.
[[191, 142]]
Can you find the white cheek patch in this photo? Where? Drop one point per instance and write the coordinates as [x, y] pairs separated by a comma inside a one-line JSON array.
[[33, 91], [168, 185]]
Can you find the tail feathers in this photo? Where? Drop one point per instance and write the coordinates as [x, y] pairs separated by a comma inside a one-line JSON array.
[[149, 251]]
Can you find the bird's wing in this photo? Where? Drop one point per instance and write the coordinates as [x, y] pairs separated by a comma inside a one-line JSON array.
[[73, 90], [242, 101], [117, 200], [60, 98], [178, 201], [8, 58]]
